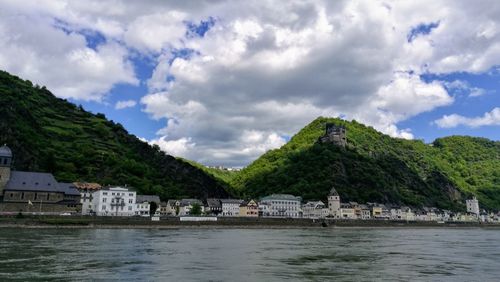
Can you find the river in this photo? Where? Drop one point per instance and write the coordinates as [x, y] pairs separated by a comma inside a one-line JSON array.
[[205, 254]]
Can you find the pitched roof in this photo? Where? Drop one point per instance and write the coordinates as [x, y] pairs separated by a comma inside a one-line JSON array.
[[213, 203], [88, 186], [189, 202], [5, 151], [281, 197], [147, 198], [68, 189], [32, 181], [333, 192], [231, 201]]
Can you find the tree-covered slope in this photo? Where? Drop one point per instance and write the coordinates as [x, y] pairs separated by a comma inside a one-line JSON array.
[[52, 135], [376, 167]]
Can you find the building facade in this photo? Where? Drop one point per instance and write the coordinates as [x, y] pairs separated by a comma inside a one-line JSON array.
[[114, 201], [249, 209], [472, 206], [86, 195], [282, 205], [231, 207], [313, 209], [334, 203]]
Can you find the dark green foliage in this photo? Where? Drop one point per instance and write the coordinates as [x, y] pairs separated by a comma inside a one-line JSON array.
[[376, 167], [51, 135], [195, 209]]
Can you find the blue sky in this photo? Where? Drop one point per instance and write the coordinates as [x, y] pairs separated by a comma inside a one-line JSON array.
[[223, 82]]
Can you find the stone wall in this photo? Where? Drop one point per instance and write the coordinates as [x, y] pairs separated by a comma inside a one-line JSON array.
[[45, 207]]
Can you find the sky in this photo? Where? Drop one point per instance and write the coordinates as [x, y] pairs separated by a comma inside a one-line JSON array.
[[222, 82]]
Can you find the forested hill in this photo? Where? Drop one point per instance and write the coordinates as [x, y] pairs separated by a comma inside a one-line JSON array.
[[377, 168], [52, 135]]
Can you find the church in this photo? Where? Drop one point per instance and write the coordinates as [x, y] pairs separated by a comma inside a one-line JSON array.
[[23, 191]]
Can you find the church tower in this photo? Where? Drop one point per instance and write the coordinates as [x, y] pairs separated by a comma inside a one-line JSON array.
[[5, 162], [334, 203]]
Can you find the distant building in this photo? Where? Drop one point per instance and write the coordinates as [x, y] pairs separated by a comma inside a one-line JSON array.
[[335, 134], [144, 202], [114, 201], [172, 207], [281, 205], [86, 191], [334, 203], [230, 207], [185, 206], [347, 211], [249, 209], [213, 206], [313, 209], [472, 206], [23, 191]]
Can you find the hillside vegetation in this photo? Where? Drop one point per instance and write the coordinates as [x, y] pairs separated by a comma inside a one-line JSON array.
[[52, 135], [376, 167]]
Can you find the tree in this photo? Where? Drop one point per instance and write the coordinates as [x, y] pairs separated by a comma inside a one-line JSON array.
[[152, 208], [196, 209]]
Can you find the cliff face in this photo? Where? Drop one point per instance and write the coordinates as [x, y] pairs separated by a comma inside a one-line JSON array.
[[52, 135], [376, 167]]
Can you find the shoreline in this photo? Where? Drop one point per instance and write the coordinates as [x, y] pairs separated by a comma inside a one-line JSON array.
[[84, 222]]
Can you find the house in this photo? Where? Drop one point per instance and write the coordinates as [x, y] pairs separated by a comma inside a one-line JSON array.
[[249, 209], [185, 206], [147, 204], [163, 208], [347, 211], [365, 212], [313, 209], [114, 201], [282, 205], [213, 206], [376, 210], [334, 203], [24, 191], [172, 207], [86, 191], [230, 207], [407, 214], [396, 213]]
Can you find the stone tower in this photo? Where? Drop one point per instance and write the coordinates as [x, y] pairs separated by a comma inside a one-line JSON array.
[[334, 203], [335, 134], [5, 162], [473, 206]]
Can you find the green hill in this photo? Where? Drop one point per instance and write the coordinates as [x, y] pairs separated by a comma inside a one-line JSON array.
[[52, 135], [377, 168]]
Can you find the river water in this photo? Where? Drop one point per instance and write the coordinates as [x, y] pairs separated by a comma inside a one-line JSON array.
[[340, 254]]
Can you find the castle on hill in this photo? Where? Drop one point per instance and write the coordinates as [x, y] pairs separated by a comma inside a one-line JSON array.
[[336, 134]]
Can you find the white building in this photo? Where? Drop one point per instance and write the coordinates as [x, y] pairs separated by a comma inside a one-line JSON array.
[[313, 209], [114, 201], [231, 207], [347, 211], [86, 195], [282, 205], [473, 206], [334, 204]]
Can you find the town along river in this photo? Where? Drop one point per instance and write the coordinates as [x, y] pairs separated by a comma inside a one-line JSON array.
[[209, 254]]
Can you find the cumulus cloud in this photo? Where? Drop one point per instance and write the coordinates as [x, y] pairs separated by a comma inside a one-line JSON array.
[[454, 120], [263, 70], [120, 105]]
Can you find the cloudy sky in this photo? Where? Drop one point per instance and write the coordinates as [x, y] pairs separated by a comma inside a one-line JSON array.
[[221, 82]]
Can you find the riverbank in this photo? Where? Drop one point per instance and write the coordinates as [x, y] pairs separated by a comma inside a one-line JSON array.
[[222, 222]]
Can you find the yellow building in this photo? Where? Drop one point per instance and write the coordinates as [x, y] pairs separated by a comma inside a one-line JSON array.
[[250, 209]]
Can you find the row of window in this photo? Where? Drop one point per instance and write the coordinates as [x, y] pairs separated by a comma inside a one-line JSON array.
[[118, 194]]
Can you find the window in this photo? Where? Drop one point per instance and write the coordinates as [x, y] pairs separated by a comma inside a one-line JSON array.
[[105, 193], [48, 195], [112, 194], [104, 200], [131, 194], [22, 195], [130, 201], [36, 195]]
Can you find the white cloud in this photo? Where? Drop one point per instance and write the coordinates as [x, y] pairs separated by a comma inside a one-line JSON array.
[[264, 70], [454, 120], [34, 48], [125, 104]]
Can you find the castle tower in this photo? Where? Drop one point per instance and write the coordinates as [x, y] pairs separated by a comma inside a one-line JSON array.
[[336, 134], [473, 206], [334, 203], [5, 162]]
